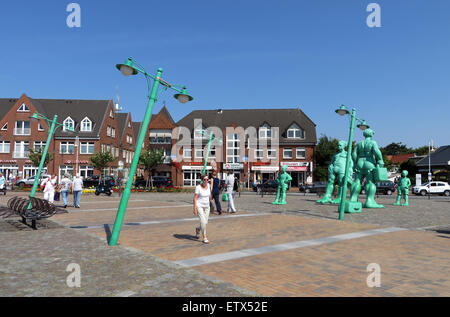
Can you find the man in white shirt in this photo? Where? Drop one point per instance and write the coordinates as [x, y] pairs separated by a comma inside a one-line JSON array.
[[229, 182], [77, 188]]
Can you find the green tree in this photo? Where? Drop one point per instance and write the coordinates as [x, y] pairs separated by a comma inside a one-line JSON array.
[[410, 166], [36, 156], [395, 149], [325, 150], [149, 159], [101, 160], [423, 150]]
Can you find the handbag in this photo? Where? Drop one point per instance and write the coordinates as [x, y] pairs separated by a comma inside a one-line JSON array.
[[225, 197], [381, 174]]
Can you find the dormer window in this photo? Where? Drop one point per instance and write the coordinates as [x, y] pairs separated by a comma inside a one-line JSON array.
[[295, 132], [265, 131], [5, 127], [111, 114], [69, 124], [40, 127], [23, 108], [86, 125]]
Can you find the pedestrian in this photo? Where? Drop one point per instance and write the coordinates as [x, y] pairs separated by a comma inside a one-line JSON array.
[[12, 180], [66, 185], [2, 182], [49, 188], [229, 182], [202, 198], [215, 185], [77, 188]]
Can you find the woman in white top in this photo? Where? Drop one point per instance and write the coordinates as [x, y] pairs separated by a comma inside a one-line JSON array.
[[202, 198], [49, 190]]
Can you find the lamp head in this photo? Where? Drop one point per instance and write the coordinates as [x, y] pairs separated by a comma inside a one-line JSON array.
[[363, 125], [183, 97], [127, 69], [35, 117], [342, 111], [70, 129]]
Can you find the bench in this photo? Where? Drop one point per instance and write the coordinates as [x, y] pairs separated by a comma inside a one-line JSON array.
[[40, 209]]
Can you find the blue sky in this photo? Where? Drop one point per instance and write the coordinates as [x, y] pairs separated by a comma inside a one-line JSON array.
[[244, 54]]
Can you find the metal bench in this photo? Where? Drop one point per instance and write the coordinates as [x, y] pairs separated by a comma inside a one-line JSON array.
[[40, 209]]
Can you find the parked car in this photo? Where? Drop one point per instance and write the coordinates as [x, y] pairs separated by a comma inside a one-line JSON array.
[[433, 188], [386, 188], [268, 186], [24, 182], [158, 181], [93, 181], [317, 187]]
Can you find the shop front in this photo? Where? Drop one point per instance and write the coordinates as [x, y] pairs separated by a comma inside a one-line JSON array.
[[8, 168], [192, 174], [262, 173], [298, 171], [236, 168]]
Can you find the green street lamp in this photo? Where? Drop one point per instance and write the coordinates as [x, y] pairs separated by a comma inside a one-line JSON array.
[[53, 126], [131, 67], [211, 139], [342, 111]]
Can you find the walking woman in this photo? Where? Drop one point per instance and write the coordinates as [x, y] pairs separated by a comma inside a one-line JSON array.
[[215, 185], [202, 198]]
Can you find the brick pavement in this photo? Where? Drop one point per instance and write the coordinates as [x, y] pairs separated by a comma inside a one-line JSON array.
[[412, 262]]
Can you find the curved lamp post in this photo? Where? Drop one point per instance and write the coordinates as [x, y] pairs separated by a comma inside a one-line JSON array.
[[211, 139], [131, 67], [53, 126], [342, 111]]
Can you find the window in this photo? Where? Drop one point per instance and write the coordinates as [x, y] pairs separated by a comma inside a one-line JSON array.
[[259, 154], [233, 148], [23, 108], [86, 125], [272, 154], [5, 146], [68, 124], [265, 131], [300, 153], [117, 152], [129, 139], [87, 147], [111, 114], [129, 124], [5, 127], [108, 131], [113, 132], [287, 153], [198, 153], [21, 149], [295, 132], [67, 148], [86, 171], [200, 132], [103, 148], [187, 153], [22, 128], [40, 127], [39, 145]]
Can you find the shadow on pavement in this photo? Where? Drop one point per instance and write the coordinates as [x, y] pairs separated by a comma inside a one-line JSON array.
[[108, 232], [185, 237]]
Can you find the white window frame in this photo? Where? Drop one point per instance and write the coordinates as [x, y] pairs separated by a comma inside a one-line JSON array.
[[111, 114], [86, 146], [22, 130], [71, 123], [108, 131], [22, 153], [265, 131], [3, 145], [259, 154], [272, 153], [185, 153], [86, 125], [198, 151], [40, 127], [234, 145], [294, 128], [113, 132], [298, 156], [67, 145], [287, 157], [198, 132], [5, 127], [23, 108], [39, 144]]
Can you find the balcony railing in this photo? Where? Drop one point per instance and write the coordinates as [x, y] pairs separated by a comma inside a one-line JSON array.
[[22, 131], [21, 154]]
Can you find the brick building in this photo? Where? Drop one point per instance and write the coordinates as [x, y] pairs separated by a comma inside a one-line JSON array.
[[96, 129], [255, 144]]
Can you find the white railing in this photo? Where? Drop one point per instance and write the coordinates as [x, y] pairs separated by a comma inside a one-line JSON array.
[[22, 131]]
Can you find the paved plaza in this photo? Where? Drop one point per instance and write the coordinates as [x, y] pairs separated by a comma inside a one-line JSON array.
[[300, 249]]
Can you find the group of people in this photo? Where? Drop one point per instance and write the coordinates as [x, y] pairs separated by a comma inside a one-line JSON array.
[[50, 186], [207, 193]]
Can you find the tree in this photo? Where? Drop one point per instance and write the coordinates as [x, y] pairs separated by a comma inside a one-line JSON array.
[[101, 160], [395, 149], [423, 150], [150, 159], [36, 156], [325, 150], [410, 166]]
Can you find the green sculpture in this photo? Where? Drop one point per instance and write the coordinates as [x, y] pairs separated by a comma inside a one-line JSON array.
[[368, 164], [283, 182], [336, 170], [403, 189]]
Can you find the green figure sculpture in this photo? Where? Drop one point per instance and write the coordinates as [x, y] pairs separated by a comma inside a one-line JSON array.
[[336, 170], [403, 189], [283, 182], [367, 160]]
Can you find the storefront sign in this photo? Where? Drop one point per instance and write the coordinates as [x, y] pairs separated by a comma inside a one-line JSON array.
[[297, 169], [233, 166], [76, 162], [266, 168], [295, 164], [195, 168], [8, 161]]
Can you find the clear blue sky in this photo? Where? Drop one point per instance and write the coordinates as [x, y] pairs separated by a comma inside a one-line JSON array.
[[314, 54]]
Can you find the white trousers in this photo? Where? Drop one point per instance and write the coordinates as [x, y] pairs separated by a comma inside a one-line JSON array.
[[49, 196], [231, 201], [203, 214]]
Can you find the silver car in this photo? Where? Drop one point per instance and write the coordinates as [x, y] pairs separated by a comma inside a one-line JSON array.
[[23, 182]]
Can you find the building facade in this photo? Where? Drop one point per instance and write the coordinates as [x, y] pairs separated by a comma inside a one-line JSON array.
[[251, 143]]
